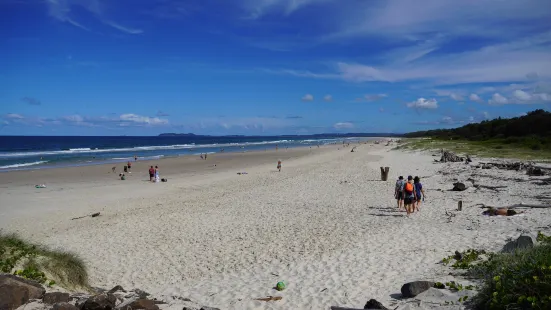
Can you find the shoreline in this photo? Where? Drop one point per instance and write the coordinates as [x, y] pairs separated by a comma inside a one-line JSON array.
[[50, 163]]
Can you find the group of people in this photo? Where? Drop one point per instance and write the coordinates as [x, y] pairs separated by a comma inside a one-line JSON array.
[[409, 193], [154, 174]]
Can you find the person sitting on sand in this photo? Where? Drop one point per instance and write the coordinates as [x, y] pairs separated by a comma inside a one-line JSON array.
[[151, 174], [419, 191], [279, 165], [409, 195], [398, 192]]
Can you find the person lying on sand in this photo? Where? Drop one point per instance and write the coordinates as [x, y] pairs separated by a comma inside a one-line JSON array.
[[500, 211]]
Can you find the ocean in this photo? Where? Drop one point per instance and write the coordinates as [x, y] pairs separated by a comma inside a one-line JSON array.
[[39, 152]]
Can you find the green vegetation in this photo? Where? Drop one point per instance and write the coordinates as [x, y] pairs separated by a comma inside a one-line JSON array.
[[519, 280], [41, 264], [527, 136]]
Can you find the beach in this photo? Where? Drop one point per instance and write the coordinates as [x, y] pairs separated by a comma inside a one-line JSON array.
[[326, 224]]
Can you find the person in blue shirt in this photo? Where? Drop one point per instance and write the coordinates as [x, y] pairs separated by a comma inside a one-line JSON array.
[[419, 192], [398, 194]]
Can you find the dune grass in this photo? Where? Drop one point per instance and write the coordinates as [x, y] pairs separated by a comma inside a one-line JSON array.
[[519, 280], [40, 263], [489, 148]]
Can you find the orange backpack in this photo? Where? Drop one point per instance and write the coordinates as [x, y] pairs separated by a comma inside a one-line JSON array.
[[409, 188]]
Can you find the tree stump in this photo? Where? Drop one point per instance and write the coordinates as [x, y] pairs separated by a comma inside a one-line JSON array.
[[384, 173], [460, 205]]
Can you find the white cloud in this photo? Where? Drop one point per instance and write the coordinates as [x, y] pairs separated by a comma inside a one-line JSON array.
[[423, 103], [475, 98], [522, 95], [143, 119], [307, 97], [498, 99], [343, 125], [447, 119], [327, 98], [456, 97], [471, 119]]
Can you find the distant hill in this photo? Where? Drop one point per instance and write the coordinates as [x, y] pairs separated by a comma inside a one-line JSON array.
[[533, 129], [316, 136]]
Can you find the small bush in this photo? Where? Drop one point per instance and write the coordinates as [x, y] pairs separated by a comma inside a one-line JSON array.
[[519, 280], [40, 263]]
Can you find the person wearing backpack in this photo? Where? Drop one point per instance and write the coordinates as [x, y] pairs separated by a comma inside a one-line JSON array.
[[398, 192], [409, 195], [419, 192]]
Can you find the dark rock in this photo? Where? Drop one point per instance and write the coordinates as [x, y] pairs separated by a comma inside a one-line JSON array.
[[209, 308], [16, 291], [55, 297], [523, 242], [117, 288], [458, 255], [373, 304], [415, 288], [461, 186], [102, 301], [145, 304], [64, 306]]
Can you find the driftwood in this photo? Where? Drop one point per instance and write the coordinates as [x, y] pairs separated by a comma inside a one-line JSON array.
[[450, 157], [531, 168], [90, 215], [270, 298], [520, 205], [495, 188]]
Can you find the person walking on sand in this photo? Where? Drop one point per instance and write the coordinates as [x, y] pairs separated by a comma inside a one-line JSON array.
[[279, 165], [129, 166], [419, 192], [157, 174], [398, 192], [409, 195], [151, 174]]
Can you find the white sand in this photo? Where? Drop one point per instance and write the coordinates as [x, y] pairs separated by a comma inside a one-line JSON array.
[[224, 240]]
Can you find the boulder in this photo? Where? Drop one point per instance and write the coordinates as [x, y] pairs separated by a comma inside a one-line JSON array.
[[16, 291], [522, 242], [461, 186], [415, 288], [374, 304], [145, 304], [64, 306], [102, 301], [55, 297]]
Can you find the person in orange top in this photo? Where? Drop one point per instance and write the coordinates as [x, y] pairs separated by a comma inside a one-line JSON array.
[[279, 165]]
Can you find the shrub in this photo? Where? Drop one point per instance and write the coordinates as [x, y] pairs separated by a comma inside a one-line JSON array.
[[40, 263], [519, 280]]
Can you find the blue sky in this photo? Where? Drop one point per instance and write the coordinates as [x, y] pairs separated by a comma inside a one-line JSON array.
[[98, 67]]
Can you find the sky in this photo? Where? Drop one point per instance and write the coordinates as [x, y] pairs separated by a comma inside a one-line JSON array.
[[267, 67]]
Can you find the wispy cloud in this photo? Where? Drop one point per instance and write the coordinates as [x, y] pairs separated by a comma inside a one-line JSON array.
[[123, 28], [123, 120], [161, 114], [62, 10], [498, 99], [475, 98], [328, 98], [375, 97], [31, 101]]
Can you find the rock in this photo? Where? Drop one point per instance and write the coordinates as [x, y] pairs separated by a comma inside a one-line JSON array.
[[102, 301], [534, 171], [35, 305], [461, 186], [415, 288], [16, 291], [523, 242], [450, 157], [145, 304], [64, 306], [373, 304], [342, 308], [55, 297], [117, 288]]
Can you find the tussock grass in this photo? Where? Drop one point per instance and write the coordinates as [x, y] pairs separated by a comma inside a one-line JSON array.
[[489, 148], [41, 263], [519, 280]]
